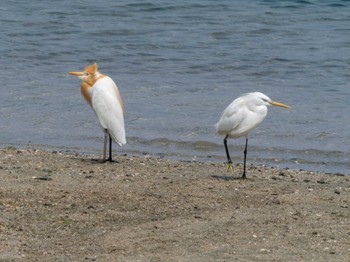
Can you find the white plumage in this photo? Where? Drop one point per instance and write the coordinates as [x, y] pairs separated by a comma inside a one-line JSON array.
[[108, 109], [243, 115]]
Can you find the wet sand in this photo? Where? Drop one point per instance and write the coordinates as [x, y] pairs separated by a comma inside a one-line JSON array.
[[61, 207]]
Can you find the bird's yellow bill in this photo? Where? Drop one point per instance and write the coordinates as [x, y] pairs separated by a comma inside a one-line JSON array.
[[274, 103], [76, 73]]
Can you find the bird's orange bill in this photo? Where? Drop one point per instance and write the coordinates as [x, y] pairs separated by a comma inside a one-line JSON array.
[[76, 73], [274, 103], [229, 166]]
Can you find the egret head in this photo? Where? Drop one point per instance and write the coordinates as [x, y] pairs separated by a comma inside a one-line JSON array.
[[89, 74], [262, 99]]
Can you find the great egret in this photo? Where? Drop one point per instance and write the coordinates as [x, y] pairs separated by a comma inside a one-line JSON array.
[[241, 116], [103, 96]]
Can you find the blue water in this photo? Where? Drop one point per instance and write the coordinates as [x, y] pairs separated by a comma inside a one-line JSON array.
[[178, 64]]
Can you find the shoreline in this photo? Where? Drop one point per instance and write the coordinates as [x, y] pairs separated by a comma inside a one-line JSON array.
[[59, 206], [279, 163]]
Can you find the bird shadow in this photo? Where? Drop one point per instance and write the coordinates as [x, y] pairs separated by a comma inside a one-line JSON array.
[[228, 178], [97, 161]]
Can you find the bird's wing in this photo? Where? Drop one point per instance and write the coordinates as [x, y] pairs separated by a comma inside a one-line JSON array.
[[237, 120], [107, 103], [230, 119]]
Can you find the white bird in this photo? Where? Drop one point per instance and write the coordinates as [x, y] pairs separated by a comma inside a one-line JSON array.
[[103, 96], [242, 116]]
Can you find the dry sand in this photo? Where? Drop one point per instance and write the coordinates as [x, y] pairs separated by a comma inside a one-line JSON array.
[[59, 207]]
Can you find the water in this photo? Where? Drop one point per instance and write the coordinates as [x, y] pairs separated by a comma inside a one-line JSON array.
[[178, 64]]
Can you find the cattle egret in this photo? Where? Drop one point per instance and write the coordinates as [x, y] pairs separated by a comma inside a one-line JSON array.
[[103, 96], [242, 116]]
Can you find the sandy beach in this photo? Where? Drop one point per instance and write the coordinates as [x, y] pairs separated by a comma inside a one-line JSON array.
[[61, 207]]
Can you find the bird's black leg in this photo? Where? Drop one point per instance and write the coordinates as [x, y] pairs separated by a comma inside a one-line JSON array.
[[227, 152], [229, 161], [245, 158], [110, 149]]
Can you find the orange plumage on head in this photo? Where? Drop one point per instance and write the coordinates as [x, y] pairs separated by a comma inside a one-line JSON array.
[[92, 69]]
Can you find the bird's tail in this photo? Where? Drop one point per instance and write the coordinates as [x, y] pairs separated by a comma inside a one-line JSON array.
[[118, 135]]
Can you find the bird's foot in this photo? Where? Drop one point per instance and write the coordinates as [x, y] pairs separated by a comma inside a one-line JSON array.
[[104, 159], [108, 160], [229, 167]]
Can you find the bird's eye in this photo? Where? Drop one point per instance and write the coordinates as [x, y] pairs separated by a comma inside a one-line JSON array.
[[86, 73]]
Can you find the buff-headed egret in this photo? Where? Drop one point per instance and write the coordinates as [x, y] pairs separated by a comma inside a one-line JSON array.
[[103, 96], [242, 116]]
